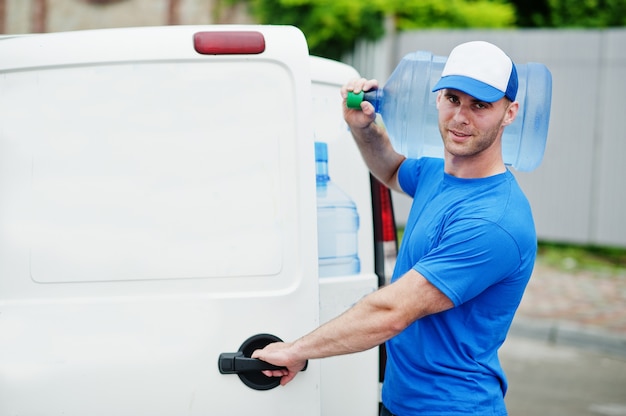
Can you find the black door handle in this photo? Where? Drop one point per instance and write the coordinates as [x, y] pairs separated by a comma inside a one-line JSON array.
[[236, 362], [249, 369]]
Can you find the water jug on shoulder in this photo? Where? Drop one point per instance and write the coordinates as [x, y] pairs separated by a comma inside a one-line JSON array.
[[408, 109]]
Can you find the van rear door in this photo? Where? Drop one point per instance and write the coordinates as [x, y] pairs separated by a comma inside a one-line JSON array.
[[157, 209]]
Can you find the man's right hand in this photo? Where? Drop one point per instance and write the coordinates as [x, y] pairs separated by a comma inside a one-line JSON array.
[[359, 119], [280, 354]]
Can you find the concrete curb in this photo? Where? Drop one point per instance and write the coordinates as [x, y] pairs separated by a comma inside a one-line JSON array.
[[561, 333]]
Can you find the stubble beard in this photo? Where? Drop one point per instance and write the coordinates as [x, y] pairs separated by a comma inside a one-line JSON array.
[[474, 145]]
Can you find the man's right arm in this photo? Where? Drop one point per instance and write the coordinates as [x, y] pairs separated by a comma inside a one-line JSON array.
[[372, 139], [373, 320]]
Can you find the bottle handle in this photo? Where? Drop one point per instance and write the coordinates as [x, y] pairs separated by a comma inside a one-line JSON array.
[[354, 101], [373, 97]]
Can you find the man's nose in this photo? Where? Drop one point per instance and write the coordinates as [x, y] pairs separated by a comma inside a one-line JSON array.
[[461, 114]]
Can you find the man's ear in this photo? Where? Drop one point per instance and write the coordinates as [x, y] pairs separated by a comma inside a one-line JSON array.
[[511, 113], [439, 95]]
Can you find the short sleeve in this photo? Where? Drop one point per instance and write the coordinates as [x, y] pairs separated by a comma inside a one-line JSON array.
[[411, 170], [472, 255]]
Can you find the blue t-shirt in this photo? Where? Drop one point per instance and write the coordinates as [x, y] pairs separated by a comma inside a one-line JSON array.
[[474, 239]]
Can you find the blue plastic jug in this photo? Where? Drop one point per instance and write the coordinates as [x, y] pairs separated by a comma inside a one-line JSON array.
[[337, 223], [408, 109]]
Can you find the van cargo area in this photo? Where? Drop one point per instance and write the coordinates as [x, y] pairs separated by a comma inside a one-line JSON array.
[[158, 208]]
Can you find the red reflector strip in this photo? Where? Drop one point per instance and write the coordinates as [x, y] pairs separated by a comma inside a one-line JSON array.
[[229, 43], [385, 224], [389, 226]]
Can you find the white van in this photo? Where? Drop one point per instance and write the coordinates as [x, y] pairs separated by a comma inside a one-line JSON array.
[[158, 223]]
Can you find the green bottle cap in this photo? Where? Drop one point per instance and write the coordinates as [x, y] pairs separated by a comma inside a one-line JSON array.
[[354, 100]]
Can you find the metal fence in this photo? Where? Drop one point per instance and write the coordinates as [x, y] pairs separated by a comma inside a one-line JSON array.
[[577, 194]]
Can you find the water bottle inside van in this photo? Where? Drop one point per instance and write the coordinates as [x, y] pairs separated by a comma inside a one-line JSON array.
[[337, 222]]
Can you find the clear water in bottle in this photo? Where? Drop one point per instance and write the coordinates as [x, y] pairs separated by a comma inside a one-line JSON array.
[[337, 223], [408, 109]]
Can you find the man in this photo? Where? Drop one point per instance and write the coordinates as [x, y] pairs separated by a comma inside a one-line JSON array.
[[465, 259]]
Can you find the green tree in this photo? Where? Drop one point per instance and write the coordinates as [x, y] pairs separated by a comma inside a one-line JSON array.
[[417, 14], [587, 13], [570, 13], [330, 26], [333, 26], [532, 13]]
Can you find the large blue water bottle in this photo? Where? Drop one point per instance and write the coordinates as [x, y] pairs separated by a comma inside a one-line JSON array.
[[337, 223], [408, 109]]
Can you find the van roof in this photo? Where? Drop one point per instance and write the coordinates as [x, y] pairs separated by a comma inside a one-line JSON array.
[[136, 44], [328, 72]]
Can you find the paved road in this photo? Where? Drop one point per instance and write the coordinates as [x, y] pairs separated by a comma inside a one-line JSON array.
[[560, 380], [566, 352], [593, 301]]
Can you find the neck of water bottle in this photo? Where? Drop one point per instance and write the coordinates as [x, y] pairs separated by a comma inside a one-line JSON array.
[[375, 98], [321, 171]]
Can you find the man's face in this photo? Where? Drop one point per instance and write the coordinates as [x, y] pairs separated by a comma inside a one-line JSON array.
[[469, 126]]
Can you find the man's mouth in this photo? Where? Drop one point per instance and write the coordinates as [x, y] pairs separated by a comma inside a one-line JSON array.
[[459, 134]]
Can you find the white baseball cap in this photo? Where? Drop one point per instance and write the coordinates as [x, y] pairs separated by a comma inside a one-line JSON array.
[[481, 70]]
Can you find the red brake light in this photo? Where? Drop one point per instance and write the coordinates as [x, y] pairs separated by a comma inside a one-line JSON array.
[[388, 220], [384, 223], [385, 236], [229, 43]]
